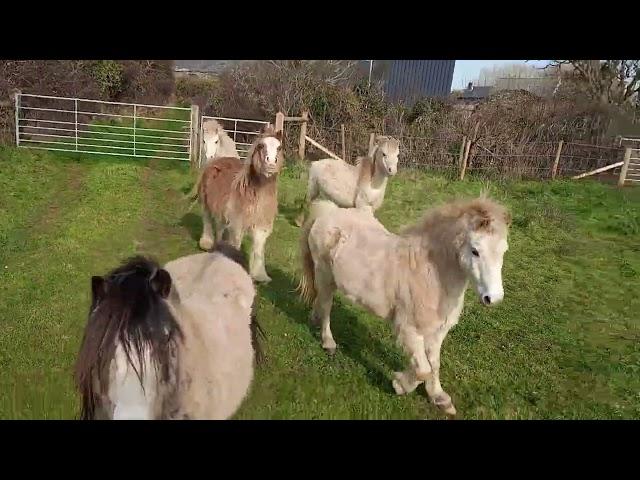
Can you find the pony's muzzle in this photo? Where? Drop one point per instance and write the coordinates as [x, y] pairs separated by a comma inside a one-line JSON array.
[[491, 298]]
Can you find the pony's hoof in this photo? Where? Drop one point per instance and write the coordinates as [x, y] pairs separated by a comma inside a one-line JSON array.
[[206, 243], [262, 278], [299, 220], [397, 385], [330, 350], [450, 411], [444, 403]]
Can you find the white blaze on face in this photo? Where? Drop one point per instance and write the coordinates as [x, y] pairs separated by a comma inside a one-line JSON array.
[[482, 257], [130, 400], [271, 149]]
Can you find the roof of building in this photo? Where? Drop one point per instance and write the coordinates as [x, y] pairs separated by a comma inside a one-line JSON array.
[[475, 93]]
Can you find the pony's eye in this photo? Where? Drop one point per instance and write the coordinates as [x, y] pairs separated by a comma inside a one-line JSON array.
[[475, 252], [384, 154]]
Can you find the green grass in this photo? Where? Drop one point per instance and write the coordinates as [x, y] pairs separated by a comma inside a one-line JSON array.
[[565, 343]]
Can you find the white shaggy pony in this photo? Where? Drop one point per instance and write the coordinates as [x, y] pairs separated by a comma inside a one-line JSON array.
[[216, 143], [363, 184], [416, 280], [177, 342]]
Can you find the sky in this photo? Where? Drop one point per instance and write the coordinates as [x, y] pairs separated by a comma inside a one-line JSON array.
[[467, 70]]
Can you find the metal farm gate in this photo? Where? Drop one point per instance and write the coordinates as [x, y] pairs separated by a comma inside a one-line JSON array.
[[104, 128], [633, 167]]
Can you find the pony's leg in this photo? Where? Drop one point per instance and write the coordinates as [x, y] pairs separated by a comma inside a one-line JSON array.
[[322, 304], [419, 370], [206, 239], [256, 262], [405, 382], [432, 384], [221, 228], [236, 233]]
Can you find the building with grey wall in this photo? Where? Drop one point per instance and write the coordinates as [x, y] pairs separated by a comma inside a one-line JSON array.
[[409, 80]]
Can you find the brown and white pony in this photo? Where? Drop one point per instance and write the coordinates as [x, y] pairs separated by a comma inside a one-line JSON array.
[[415, 280], [177, 342], [243, 196], [359, 185]]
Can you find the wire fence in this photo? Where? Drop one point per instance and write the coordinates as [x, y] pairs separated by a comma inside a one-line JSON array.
[[117, 128], [487, 157]]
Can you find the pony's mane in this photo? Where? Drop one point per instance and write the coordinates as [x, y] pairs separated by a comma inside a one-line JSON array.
[[128, 309], [366, 167], [217, 127], [490, 215]]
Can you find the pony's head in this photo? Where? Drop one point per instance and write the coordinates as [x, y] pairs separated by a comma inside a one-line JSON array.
[[265, 155], [385, 155], [482, 246], [127, 308], [211, 135]]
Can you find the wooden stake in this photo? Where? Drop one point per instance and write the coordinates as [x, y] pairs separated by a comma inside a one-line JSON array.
[[303, 134], [625, 167], [344, 148], [463, 167], [554, 169]]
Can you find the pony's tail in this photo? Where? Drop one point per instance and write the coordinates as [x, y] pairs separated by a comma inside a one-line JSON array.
[[257, 336], [307, 286], [304, 201], [195, 193]]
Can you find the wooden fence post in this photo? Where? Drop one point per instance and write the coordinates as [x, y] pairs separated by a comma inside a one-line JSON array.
[[303, 134], [463, 167], [472, 143], [280, 122], [625, 167], [462, 147], [554, 169], [372, 139], [16, 96], [344, 148], [195, 135]]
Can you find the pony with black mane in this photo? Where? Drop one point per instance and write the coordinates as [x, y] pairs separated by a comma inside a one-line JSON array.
[[177, 342]]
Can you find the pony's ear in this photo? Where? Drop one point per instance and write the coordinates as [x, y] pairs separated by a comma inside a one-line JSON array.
[[258, 153], [280, 135], [98, 288], [161, 283], [268, 129]]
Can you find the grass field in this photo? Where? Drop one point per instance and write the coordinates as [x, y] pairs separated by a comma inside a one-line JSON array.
[[565, 343]]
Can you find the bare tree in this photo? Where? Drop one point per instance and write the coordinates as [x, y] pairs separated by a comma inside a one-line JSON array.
[[608, 82], [490, 76]]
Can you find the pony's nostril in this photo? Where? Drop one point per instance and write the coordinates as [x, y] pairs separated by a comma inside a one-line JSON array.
[[487, 300]]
